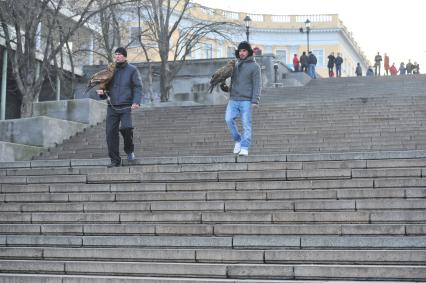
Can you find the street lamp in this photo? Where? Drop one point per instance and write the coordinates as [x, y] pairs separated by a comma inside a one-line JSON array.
[[308, 30], [247, 20]]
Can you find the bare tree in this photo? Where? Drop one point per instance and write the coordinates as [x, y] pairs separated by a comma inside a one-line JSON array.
[[28, 46], [163, 20], [113, 24]]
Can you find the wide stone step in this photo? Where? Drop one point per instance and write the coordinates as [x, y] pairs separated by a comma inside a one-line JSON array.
[[113, 203], [286, 256], [247, 271], [34, 278], [212, 229], [350, 217], [236, 241]]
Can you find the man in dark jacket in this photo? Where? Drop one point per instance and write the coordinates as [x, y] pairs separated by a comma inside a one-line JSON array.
[[377, 64], [304, 62], [312, 62], [338, 62], [245, 91], [124, 94]]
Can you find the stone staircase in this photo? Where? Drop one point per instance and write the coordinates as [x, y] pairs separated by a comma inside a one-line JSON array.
[[333, 190], [287, 122]]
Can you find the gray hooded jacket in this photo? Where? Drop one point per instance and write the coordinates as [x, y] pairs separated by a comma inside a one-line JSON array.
[[245, 81]]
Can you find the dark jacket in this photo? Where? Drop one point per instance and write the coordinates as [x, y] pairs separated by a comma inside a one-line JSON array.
[[245, 81], [331, 60], [358, 71], [304, 60], [126, 85], [312, 59], [377, 60], [338, 61]]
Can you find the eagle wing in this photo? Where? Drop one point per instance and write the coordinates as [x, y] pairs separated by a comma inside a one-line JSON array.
[[102, 78], [222, 74]]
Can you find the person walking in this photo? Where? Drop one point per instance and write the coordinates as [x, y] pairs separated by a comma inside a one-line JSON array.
[[304, 62], [402, 70], [377, 64], [296, 63], [124, 94], [386, 64], [339, 62], [369, 72], [312, 62], [393, 71], [245, 90], [358, 70], [409, 67], [330, 64], [416, 68]]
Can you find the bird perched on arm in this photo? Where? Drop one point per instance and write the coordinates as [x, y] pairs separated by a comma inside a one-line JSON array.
[[102, 78], [222, 74]]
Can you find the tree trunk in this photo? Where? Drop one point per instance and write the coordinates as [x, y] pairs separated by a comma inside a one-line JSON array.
[[165, 81], [27, 105], [150, 91]]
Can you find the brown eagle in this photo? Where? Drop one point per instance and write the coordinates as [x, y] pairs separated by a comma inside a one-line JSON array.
[[102, 78], [222, 74]]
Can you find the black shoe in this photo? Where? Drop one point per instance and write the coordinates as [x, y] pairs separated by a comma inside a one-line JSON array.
[[113, 164]]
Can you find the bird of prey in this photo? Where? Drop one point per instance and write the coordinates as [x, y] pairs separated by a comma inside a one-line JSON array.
[[102, 78], [222, 74]]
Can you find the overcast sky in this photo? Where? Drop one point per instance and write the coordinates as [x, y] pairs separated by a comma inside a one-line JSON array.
[[393, 27]]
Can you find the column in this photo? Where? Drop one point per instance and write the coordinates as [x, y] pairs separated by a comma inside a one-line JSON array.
[[3, 87], [58, 88], [36, 76]]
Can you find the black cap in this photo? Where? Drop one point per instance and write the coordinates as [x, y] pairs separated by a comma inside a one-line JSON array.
[[244, 45], [122, 51]]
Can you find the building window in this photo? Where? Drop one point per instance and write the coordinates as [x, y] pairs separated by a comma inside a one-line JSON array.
[[38, 37], [280, 19], [134, 37], [256, 18], [207, 11], [230, 15], [281, 54], [208, 50], [319, 53], [230, 52], [219, 52], [189, 53]]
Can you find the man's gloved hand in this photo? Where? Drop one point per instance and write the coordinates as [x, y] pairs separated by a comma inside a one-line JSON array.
[[224, 87]]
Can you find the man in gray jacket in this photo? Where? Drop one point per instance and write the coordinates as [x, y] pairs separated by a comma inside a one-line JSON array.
[[124, 94], [245, 91]]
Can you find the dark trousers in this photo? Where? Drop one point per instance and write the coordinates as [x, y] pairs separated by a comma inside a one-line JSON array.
[[377, 67], [113, 119]]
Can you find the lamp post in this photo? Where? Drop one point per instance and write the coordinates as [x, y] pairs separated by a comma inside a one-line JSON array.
[[308, 30], [247, 20]]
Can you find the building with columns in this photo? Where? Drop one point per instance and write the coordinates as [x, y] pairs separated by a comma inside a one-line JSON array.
[[279, 35]]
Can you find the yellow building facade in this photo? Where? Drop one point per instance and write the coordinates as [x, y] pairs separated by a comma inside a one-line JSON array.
[[279, 35]]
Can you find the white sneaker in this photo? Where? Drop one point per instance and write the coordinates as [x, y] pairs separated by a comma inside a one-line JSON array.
[[237, 148], [244, 152]]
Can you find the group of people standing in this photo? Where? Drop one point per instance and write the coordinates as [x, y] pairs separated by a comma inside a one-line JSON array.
[[404, 69], [306, 63], [334, 61]]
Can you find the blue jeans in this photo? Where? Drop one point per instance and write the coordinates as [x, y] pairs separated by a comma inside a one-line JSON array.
[[338, 71], [233, 110], [311, 71]]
